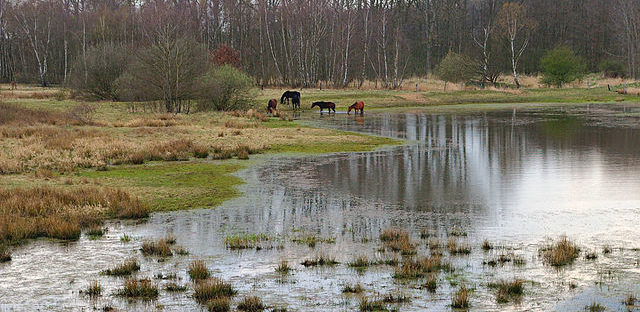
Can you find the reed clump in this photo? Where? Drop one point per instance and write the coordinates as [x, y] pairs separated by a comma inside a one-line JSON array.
[[508, 290], [560, 253], [283, 267], [460, 299], [161, 248], [198, 270], [353, 289], [211, 288], [93, 290], [398, 241], [418, 268], [372, 305], [251, 304], [61, 213], [456, 248], [138, 289], [127, 268], [219, 304]]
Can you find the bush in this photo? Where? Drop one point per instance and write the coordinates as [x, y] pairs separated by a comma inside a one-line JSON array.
[[456, 68], [612, 69], [104, 64], [561, 66], [225, 88]]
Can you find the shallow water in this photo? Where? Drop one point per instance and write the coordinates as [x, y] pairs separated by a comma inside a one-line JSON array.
[[517, 181]]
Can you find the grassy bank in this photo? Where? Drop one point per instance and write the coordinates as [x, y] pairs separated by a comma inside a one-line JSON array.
[[83, 163]]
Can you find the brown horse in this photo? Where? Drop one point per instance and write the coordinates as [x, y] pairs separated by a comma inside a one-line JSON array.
[[328, 105], [272, 106], [357, 106]]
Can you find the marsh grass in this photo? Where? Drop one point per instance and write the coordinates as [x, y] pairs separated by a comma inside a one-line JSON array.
[[508, 290], [486, 245], [125, 238], [181, 251], [456, 248], [160, 248], [320, 261], [425, 234], [251, 304], [395, 298], [211, 288], [352, 289], [127, 268], [629, 300], [311, 240], [431, 284], [372, 305], [96, 231], [397, 240], [247, 241], [460, 299], [174, 287], [219, 304], [606, 249], [93, 290], [560, 253], [138, 289], [360, 262], [595, 307], [591, 256], [457, 232], [198, 270], [61, 213], [283, 268], [419, 268], [5, 254]]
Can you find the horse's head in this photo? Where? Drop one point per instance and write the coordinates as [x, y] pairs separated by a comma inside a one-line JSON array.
[[314, 105], [349, 110]]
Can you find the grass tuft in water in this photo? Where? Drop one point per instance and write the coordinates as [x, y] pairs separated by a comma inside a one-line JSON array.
[[591, 256], [211, 288], [93, 290], [360, 262], [251, 304], [431, 284], [283, 268], [607, 249], [125, 238], [219, 304], [460, 299], [560, 253], [246, 241], [198, 270], [595, 307], [508, 290], [486, 245], [411, 269], [398, 241], [127, 268], [456, 232], [630, 300], [456, 248], [160, 248], [397, 298], [96, 232], [138, 289], [5, 254], [320, 261], [372, 305], [174, 287], [352, 289]]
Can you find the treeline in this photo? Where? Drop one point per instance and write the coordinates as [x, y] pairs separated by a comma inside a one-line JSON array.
[[305, 42]]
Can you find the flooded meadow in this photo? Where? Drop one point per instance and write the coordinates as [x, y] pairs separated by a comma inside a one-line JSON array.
[[481, 194]]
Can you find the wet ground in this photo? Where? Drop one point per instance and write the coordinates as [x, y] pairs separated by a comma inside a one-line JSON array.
[[516, 180]]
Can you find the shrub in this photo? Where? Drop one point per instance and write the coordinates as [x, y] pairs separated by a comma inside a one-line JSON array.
[[612, 69], [456, 68], [561, 66], [225, 88], [104, 64]]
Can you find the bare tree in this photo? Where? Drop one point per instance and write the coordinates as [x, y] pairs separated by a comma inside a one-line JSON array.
[[516, 27]]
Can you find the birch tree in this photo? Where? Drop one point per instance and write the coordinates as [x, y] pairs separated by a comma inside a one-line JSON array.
[[516, 27]]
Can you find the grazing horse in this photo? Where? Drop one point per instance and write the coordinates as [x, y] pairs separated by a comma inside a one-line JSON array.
[[328, 105], [357, 106], [272, 106], [289, 95], [296, 102]]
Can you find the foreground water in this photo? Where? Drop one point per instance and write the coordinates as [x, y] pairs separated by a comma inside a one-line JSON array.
[[516, 180]]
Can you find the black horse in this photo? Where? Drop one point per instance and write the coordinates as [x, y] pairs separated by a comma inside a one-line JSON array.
[[294, 96], [328, 105]]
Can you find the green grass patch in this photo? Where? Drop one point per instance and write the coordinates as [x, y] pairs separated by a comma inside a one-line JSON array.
[[175, 186], [370, 144]]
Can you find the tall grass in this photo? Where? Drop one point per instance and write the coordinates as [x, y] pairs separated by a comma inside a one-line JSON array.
[[61, 213], [561, 253], [138, 289], [198, 270], [127, 268], [211, 288]]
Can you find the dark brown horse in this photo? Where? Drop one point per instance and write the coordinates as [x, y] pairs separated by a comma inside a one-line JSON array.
[[272, 106], [357, 106], [328, 105]]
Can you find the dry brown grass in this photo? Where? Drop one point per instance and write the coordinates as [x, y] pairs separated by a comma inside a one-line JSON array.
[[560, 253], [61, 213], [460, 299]]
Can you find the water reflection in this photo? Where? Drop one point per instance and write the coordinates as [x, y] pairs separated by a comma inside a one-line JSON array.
[[514, 179]]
